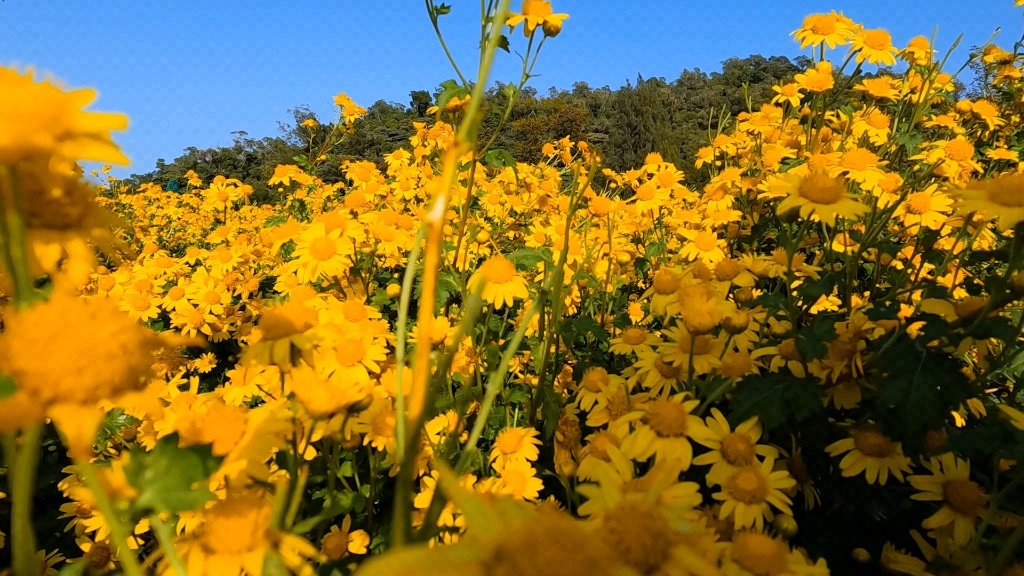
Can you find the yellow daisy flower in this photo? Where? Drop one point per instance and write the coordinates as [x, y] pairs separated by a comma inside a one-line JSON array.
[[963, 500], [869, 451]]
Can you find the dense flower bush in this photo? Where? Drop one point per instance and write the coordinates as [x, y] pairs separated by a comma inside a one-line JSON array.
[[456, 363]]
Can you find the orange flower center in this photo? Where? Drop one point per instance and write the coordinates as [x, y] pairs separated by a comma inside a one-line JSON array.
[[877, 39], [737, 449], [666, 282], [760, 554], [666, 370], [668, 419], [106, 283], [964, 497], [595, 379], [919, 203], [510, 441], [211, 297], [873, 443], [959, 150], [634, 336], [498, 270], [98, 557], [823, 24], [748, 485], [323, 248], [727, 269], [705, 241], [140, 302], [350, 352], [858, 160], [820, 188]]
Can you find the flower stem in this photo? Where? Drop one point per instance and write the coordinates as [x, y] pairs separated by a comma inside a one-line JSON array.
[[24, 458], [165, 536], [129, 561]]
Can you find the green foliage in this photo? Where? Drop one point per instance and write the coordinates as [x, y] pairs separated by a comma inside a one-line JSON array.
[[169, 478], [7, 386], [777, 399]]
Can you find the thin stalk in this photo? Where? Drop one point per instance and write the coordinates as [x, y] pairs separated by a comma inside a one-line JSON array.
[[165, 537]]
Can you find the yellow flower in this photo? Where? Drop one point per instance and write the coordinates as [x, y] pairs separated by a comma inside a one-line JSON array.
[[750, 492], [831, 29], [284, 336], [236, 536], [518, 479], [817, 79], [1015, 416], [40, 119], [339, 543], [874, 46], [882, 87], [321, 254], [871, 452], [963, 500], [730, 449], [502, 285], [1001, 199], [665, 430], [928, 208], [537, 13], [757, 554], [633, 340], [819, 195], [72, 351], [514, 445], [789, 93]]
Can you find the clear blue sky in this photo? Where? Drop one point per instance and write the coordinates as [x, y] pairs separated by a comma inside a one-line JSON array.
[[189, 72]]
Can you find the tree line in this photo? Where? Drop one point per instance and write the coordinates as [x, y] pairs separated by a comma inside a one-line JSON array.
[[625, 123]]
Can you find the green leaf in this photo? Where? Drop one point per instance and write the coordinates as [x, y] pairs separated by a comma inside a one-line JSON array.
[[510, 91], [499, 158], [7, 386], [275, 220], [341, 503], [503, 43], [442, 9], [528, 258], [464, 397], [811, 291], [588, 325], [518, 396], [654, 249], [917, 387], [113, 423], [812, 341], [551, 410], [450, 89], [379, 299], [446, 286], [169, 478], [776, 399]]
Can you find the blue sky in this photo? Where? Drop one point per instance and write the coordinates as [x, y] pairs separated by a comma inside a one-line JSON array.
[[188, 72]]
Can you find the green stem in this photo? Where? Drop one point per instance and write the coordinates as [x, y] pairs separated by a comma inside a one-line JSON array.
[[165, 537], [12, 235], [129, 561], [25, 459]]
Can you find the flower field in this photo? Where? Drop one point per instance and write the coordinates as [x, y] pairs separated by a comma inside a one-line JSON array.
[[802, 362]]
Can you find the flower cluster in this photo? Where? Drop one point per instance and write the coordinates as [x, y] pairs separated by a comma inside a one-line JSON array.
[[540, 368]]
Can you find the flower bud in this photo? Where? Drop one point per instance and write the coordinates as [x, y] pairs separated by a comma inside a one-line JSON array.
[[743, 295], [552, 28], [737, 322]]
